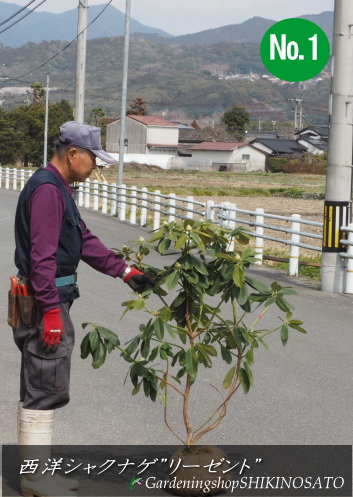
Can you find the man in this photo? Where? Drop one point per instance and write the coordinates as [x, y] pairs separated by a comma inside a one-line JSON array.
[[51, 239]]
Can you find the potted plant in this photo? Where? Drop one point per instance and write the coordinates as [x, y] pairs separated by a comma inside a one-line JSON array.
[[191, 328]]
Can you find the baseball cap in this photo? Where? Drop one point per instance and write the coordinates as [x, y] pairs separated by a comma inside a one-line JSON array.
[[85, 136]]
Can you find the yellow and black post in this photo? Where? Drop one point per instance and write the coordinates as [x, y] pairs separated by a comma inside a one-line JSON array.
[[336, 215]]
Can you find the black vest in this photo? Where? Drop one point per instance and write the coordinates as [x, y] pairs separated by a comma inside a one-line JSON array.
[[69, 249]]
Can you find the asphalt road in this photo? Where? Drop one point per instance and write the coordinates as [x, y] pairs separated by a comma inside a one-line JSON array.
[[302, 392]]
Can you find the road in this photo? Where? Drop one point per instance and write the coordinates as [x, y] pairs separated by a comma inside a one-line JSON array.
[[302, 392]]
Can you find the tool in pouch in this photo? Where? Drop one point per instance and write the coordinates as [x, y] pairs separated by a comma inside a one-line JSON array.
[[21, 302]]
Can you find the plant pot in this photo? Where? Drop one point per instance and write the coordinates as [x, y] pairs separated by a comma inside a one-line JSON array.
[[193, 480]]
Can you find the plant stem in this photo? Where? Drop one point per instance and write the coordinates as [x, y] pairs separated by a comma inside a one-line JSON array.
[[224, 405]]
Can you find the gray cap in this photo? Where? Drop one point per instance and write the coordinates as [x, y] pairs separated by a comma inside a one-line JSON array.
[[85, 136]]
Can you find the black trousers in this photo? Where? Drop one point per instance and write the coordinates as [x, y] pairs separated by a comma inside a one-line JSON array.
[[45, 377]]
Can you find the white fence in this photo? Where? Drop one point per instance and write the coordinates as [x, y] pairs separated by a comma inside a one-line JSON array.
[[146, 208]]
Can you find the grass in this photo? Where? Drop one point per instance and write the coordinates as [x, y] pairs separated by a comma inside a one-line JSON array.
[[311, 272], [220, 184]]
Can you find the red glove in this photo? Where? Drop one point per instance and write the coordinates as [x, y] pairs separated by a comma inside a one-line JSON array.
[[52, 330], [137, 281]]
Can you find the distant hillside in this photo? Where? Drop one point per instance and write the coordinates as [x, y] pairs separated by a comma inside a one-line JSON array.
[[168, 77], [250, 31], [39, 26]]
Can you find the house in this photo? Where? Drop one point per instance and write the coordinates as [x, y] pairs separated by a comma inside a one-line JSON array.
[[226, 156], [144, 135], [314, 146], [314, 132], [279, 147]]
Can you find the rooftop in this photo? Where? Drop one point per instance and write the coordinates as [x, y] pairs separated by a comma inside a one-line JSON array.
[[280, 146], [218, 146], [153, 121]]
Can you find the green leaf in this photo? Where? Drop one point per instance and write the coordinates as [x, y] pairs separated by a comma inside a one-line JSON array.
[[199, 266], [93, 340], [163, 354], [85, 347], [133, 345], [192, 278], [159, 328], [203, 357], [296, 327], [244, 380], [181, 241], [226, 355], [157, 235], [249, 374], [283, 304], [164, 313], [145, 348], [238, 276], [99, 355], [243, 295], [275, 286], [256, 284], [108, 335], [191, 363], [249, 358], [284, 334], [137, 389], [169, 330], [138, 369], [288, 291], [164, 245], [181, 372], [172, 280], [198, 242], [228, 378], [139, 304], [238, 336], [84, 325], [153, 355], [179, 300], [210, 349], [146, 387]]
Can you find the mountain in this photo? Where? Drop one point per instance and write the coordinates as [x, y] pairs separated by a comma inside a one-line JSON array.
[[250, 31], [39, 26]]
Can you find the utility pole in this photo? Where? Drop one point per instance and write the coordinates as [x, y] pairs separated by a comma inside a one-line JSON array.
[[79, 107], [45, 153], [340, 146], [298, 103], [260, 124], [124, 92]]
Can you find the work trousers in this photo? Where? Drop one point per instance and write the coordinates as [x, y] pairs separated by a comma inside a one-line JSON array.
[[45, 377]]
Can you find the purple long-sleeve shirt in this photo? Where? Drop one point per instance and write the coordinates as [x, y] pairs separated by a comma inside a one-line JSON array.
[[46, 208]]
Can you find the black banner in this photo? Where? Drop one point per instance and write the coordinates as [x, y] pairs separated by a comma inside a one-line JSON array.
[[202, 470]]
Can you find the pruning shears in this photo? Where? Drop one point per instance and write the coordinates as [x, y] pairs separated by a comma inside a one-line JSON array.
[[18, 288]]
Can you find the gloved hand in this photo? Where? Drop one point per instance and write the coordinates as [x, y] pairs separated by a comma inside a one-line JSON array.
[[52, 330], [137, 281]]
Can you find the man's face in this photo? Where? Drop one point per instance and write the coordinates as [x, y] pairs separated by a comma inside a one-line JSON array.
[[81, 164]]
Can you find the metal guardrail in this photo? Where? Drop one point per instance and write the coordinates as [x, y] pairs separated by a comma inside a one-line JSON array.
[[140, 206]]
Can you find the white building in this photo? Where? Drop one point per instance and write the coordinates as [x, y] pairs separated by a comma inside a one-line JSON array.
[[144, 135], [237, 157]]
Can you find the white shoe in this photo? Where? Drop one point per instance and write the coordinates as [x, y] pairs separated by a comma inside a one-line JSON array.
[[35, 430]]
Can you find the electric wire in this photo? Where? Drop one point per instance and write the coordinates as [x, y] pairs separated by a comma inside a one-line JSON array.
[[16, 13], [20, 19], [61, 51]]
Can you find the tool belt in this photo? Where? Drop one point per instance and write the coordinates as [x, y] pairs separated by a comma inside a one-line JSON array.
[[21, 301]]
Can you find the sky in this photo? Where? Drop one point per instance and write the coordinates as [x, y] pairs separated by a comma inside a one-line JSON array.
[[190, 16]]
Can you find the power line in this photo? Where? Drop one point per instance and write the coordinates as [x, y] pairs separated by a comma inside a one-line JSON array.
[[20, 19], [61, 51], [16, 13]]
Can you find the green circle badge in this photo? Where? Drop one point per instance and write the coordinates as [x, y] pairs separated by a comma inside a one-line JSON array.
[[295, 50]]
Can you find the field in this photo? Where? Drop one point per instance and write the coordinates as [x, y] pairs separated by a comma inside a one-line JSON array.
[[280, 194]]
